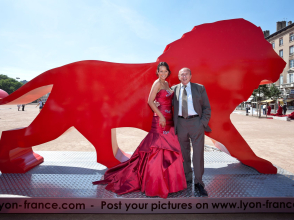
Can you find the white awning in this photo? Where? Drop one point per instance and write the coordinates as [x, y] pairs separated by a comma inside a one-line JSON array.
[[266, 101], [250, 99]]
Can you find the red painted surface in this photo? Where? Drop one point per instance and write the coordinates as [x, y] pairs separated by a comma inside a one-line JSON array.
[[291, 115], [230, 58]]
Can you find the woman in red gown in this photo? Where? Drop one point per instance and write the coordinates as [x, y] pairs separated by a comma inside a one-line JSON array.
[[280, 111], [269, 110], [156, 167]]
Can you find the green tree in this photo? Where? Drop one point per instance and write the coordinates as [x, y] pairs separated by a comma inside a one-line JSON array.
[[261, 91], [8, 84], [274, 92], [3, 76]]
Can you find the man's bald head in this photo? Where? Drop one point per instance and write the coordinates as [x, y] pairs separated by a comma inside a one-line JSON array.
[[185, 75], [187, 69]]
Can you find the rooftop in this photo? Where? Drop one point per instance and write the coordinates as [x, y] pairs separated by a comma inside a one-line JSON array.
[[280, 31]]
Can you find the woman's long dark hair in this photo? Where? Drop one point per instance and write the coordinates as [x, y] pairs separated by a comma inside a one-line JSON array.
[[163, 64]]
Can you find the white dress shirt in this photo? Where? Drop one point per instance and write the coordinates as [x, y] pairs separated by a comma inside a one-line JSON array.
[[191, 110]]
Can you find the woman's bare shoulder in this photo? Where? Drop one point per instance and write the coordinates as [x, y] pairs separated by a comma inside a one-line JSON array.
[[156, 84]]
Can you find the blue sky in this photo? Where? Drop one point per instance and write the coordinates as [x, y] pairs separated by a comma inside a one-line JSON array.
[[37, 35]]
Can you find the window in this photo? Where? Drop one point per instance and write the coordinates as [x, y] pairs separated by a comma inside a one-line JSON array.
[[291, 63], [281, 53], [291, 49], [291, 37], [273, 44], [291, 79], [281, 80], [281, 41]]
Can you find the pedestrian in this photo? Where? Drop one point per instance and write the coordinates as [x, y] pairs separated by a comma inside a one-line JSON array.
[[285, 108], [40, 104], [247, 108], [264, 109], [269, 109], [23, 106], [18, 107]]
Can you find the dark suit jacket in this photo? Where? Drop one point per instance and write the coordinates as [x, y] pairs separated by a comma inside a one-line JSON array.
[[200, 103]]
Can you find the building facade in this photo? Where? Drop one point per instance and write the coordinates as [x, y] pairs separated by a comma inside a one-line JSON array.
[[282, 42]]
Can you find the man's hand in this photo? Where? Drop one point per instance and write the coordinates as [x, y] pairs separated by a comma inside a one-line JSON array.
[[156, 103]]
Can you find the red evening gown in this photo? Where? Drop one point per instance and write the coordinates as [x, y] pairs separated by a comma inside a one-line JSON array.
[[156, 167]]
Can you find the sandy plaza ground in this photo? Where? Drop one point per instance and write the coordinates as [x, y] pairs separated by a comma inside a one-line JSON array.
[[270, 139]]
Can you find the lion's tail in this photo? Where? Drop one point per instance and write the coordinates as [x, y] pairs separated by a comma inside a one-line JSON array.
[[32, 90]]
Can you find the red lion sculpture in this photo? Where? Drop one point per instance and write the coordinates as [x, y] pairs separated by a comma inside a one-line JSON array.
[[230, 58]]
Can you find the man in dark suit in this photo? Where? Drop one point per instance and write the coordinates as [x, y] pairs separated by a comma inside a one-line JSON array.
[[191, 116]]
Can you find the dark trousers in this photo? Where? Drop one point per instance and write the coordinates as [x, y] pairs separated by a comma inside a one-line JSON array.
[[192, 129]]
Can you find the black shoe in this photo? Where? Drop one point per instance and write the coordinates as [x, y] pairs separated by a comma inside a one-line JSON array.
[[200, 189]]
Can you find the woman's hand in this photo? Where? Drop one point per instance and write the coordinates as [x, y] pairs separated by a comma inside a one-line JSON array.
[[162, 122]]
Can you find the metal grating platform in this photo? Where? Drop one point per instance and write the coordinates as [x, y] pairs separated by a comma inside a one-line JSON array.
[[69, 175]]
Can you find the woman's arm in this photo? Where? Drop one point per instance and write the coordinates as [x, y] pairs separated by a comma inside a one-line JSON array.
[[154, 89]]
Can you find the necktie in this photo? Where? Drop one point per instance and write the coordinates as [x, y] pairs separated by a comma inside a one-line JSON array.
[[184, 103]]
